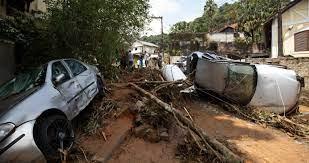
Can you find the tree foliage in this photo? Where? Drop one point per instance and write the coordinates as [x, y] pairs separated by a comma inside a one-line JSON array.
[[90, 30], [249, 14], [252, 15], [212, 18]]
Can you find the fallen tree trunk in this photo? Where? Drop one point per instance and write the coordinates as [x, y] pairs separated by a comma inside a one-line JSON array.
[[228, 155], [159, 82]]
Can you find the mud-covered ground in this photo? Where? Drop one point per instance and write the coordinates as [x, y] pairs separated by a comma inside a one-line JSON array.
[[115, 140]]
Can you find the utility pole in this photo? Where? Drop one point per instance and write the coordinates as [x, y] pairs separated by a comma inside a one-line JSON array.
[[162, 33]]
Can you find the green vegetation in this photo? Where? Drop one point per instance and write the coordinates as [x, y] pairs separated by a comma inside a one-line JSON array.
[[249, 14], [90, 30]]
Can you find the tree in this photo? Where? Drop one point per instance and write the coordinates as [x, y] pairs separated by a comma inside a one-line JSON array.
[[253, 13], [181, 27], [210, 11]]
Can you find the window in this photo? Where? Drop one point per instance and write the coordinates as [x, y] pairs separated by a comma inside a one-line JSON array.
[[301, 40], [241, 83], [76, 67], [57, 69]]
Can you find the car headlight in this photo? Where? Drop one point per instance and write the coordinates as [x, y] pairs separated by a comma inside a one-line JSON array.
[[6, 129]]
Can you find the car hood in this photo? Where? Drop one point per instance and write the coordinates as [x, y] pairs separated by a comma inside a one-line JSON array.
[[8, 103]]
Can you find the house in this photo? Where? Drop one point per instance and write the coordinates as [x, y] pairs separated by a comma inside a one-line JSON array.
[[221, 40], [140, 47], [227, 34], [287, 32]]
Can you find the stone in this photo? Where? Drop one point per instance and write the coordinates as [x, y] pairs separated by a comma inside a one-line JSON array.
[[164, 136], [138, 106]]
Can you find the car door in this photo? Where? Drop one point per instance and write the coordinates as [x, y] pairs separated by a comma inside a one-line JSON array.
[[85, 77], [69, 88]]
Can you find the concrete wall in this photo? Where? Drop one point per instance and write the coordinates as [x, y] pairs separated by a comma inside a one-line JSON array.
[[222, 37], [38, 5], [274, 39], [294, 20], [7, 61], [299, 65], [174, 59]]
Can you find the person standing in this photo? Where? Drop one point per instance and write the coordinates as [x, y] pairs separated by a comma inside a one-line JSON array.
[[131, 60], [146, 58], [141, 58], [160, 58]]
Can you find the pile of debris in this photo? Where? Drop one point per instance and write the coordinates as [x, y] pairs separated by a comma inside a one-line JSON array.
[[206, 143], [151, 123]]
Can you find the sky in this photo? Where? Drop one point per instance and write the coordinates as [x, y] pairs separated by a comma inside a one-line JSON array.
[[174, 11]]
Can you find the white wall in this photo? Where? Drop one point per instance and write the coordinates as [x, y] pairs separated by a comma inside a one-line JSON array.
[[274, 39], [38, 5], [223, 37], [294, 20]]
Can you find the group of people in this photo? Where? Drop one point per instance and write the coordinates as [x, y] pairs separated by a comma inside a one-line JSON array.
[[127, 60]]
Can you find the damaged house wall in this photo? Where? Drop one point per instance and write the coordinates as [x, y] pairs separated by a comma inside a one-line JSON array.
[[299, 65]]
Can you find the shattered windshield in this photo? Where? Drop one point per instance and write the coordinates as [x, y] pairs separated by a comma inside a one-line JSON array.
[[241, 84], [23, 81]]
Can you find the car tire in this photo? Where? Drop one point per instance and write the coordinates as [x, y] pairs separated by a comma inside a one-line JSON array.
[[47, 135], [100, 86]]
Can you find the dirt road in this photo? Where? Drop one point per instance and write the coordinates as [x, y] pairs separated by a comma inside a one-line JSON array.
[[255, 142]]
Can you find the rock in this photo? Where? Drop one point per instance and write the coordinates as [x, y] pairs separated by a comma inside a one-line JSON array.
[[164, 136], [141, 130], [138, 106]]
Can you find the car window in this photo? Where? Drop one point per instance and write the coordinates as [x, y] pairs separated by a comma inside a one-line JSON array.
[[241, 83], [57, 69], [76, 67], [23, 81]]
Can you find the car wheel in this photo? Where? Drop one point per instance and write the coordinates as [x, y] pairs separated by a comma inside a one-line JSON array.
[[53, 133], [100, 84]]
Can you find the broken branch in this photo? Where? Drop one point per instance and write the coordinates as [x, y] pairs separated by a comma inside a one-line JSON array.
[[229, 156]]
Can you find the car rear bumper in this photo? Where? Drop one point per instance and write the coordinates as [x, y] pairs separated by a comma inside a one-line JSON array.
[[20, 146]]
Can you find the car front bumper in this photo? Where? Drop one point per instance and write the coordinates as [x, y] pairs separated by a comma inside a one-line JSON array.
[[20, 146]]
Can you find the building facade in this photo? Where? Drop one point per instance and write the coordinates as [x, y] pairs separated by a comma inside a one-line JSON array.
[[294, 27], [140, 47]]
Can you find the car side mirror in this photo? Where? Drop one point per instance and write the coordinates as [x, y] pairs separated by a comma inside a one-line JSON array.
[[58, 79]]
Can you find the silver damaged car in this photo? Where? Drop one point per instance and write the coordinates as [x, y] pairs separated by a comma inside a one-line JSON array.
[[37, 105]]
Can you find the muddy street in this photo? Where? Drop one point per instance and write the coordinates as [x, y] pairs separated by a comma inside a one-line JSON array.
[[118, 139]]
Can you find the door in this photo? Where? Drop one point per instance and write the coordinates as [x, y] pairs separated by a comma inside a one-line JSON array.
[[68, 87], [85, 77]]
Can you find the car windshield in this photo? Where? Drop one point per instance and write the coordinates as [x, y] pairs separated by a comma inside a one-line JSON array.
[[23, 81]]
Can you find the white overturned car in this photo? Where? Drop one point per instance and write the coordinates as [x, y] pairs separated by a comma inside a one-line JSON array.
[[266, 87], [37, 105]]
